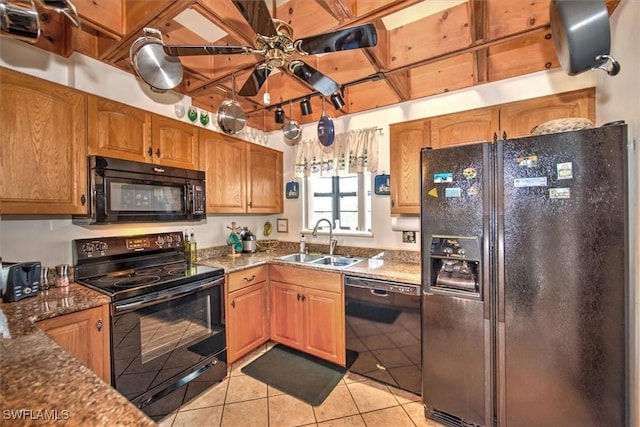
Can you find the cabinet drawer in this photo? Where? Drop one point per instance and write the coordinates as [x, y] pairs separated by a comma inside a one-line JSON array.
[[314, 279], [250, 276]]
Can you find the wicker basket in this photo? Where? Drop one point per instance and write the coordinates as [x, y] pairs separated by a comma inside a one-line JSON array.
[[562, 125], [267, 244]]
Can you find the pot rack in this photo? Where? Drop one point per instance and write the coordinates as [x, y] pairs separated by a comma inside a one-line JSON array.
[[369, 78]]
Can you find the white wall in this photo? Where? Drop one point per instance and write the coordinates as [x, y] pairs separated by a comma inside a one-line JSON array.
[[619, 98]]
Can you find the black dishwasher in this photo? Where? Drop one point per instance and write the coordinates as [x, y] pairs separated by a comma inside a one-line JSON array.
[[383, 331]]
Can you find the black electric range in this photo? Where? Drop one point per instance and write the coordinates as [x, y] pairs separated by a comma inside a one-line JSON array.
[[124, 267]]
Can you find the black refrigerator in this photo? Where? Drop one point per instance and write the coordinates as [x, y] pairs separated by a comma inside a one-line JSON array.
[[525, 281]]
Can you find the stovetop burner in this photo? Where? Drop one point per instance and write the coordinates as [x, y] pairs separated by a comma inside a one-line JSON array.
[[130, 282]]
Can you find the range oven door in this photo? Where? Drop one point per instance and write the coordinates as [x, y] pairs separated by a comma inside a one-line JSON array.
[[163, 340]]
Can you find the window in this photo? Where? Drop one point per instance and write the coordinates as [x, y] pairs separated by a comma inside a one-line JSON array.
[[343, 200]]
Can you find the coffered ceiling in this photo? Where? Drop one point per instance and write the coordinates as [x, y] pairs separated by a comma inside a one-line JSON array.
[[425, 47]]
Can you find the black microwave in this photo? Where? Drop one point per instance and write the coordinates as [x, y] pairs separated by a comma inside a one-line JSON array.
[[123, 191]]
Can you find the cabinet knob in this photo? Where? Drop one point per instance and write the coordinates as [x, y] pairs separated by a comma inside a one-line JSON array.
[[150, 151], [83, 200], [249, 204], [303, 297], [158, 153], [249, 279], [299, 297], [99, 325], [233, 303]]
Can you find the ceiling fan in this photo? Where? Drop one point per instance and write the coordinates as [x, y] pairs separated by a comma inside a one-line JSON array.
[[273, 40]]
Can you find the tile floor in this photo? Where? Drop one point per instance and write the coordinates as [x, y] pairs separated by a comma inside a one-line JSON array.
[[240, 400]]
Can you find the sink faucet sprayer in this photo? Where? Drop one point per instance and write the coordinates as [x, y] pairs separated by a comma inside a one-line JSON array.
[[332, 242]]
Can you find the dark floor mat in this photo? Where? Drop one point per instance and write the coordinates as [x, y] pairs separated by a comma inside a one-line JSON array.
[[375, 314], [298, 374]]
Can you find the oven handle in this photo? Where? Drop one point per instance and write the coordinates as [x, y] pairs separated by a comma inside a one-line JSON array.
[[165, 296]]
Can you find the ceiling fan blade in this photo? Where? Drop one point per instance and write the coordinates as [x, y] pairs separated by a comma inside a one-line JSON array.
[[255, 81], [199, 49], [345, 39], [314, 78], [257, 15]]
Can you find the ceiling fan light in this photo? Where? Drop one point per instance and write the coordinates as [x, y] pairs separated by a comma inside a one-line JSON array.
[[279, 115], [337, 100], [305, 107]]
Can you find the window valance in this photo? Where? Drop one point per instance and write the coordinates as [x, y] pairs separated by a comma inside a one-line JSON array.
[[351, 152]]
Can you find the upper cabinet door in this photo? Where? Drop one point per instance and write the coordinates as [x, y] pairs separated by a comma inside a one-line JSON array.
[[264, 174], [118, 130], [224, 161], [175, 143], [468, 127], [518, 119], [43, 165], [406, 141]]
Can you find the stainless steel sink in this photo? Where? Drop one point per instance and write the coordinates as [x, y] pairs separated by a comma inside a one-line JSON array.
[[336, 261], [321, 260], [301, 257]]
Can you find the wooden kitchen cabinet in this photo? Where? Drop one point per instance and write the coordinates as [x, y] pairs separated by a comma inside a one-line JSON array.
[[307, 311], [43, 167], [247, 308], [406, 141], [224, 160], [515, 120], [467, 127], [118, 130], [175, 143], [125, 132], [264, 179], [85, 334], [241, 177]]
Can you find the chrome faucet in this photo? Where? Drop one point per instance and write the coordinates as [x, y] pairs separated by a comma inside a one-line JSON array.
[[332, 242]]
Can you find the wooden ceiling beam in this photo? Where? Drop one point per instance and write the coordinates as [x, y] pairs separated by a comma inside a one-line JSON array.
[[473, 48], [479, 33], [400, 82], [341, 10]]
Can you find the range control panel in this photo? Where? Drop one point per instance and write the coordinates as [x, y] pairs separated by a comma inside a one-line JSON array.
[[113, 246]]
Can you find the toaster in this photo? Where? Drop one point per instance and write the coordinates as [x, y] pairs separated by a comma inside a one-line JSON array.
[[20, 280]]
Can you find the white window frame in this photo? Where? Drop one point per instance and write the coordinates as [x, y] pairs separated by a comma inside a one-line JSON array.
[[364, 205]]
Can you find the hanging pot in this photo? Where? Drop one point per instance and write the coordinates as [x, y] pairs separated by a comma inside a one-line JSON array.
[[326, 131], [20, 21], [291, 130], [149, 60], [231, 117], [582, 36]]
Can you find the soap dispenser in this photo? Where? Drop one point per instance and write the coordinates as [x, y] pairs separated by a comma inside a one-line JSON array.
[[303, 244]]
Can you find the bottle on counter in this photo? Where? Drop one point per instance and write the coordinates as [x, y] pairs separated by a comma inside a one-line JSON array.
[[303, 244], [187, 247], [193, 248]]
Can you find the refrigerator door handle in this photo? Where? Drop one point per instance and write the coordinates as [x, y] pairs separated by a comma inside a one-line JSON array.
[[500, 280]]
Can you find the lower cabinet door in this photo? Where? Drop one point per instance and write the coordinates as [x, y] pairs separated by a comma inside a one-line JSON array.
[[85, 334], [286, 314], [247, 320], [324, 325]]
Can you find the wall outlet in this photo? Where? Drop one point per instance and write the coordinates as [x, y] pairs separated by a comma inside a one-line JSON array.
[[408, 237]]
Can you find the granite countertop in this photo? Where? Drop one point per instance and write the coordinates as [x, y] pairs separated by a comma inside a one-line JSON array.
[[43, 384], [377, 267]]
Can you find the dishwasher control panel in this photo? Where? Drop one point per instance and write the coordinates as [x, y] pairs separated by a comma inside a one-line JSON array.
[[382, 285]]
